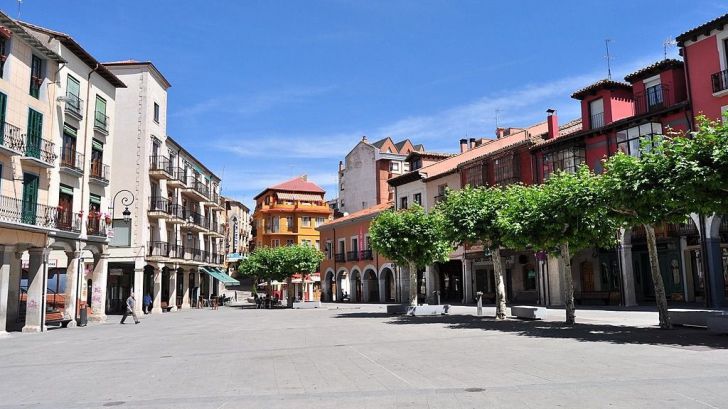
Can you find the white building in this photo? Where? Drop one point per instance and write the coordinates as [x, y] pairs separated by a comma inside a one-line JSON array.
[[171, 248]]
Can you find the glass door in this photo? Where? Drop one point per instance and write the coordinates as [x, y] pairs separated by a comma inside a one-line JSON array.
[[35, 130], [30, 198]]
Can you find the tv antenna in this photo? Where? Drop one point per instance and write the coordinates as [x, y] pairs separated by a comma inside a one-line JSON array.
[[497, 111], [19, 3], [609, 59], [667, 44]]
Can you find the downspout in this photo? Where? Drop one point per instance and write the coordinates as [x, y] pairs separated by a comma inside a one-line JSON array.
[[687, 85], [85, 140]]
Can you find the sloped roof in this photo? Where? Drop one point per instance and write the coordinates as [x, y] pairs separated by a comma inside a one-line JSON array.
[[76, 48], [601, 84], [381, 142], [18, 30], [297, 184], [653, 69], [132, 62], [449, 165], [704, 28], [399, 145], [424, 154], [367, 213], [566, 129]]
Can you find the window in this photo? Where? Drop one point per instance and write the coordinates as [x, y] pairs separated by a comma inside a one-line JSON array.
[[529, 277], [275, 243], [318, 244], [101, 121], [403, 202], [275, 224], [567, 159], [289, 242], [68, 151], [73, 92], [638, 139], [476, 174], [406, 167], [289, 223], [306, 221], [36, 76], [394, 166], [156, 112], [306, 242], [97, 159], [35, 134], [329, 249], [506, 169], [416, 164], [417, 198], [320, 221], [596, 113]]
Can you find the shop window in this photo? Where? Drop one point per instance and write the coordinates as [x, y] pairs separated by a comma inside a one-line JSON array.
[[529, 277]]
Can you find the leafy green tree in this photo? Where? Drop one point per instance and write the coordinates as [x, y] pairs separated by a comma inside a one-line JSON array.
[[641, 191], [470, 216], [410, 237], [563, 216], [301, 259]]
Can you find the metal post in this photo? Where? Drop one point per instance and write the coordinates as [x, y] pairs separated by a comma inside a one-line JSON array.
[[480, 302]]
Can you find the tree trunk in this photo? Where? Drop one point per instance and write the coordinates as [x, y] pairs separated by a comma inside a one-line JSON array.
[[289, 292], [500, 288], [660, 297], [567, 281], [413, 284]]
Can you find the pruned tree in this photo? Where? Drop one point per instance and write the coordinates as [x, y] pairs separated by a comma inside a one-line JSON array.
[[470, 216], [410, 237], [563, 216]]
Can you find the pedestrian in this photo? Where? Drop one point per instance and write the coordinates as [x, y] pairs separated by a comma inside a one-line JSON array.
[[130, 309], [147, 304]]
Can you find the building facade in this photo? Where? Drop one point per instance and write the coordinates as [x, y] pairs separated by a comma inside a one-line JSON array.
[[171, 246], [351, 270], [364, 173], [238, 234]]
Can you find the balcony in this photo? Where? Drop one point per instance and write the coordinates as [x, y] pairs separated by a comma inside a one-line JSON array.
[[176, 214], [596, 120], [176, 251], [68, 221], [74, 106], [40, 152], [340, 257], [12, 141], [157, 250], [96, 225], [366, 255], [71, 162], [158, 208], [652, 99], [101, 122], [99, 173], [214, 200], [195, 221], [197, 189], [177, 177], [193, 254], [160, 167], [32, 214], [719, 81], [352, 256]]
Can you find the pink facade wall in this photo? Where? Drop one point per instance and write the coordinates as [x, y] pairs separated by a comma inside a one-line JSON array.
[[703, 61]]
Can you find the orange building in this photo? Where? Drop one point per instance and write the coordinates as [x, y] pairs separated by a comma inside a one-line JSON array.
[[288, 213], [351, 270]]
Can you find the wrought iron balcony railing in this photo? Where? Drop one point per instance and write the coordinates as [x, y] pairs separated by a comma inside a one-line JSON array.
[[652, 99], [366, 255], [719, 81], [96, 225], [39, 148], [161, 163], [340, 257], [352, 256], [74, 105], [158, 204], [72, 159], [11, 138], [101, 122], [99, 171], [33, 214], [158, 249], [596, 120]]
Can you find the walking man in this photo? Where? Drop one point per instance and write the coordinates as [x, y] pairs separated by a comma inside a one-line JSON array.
[[130, 309]]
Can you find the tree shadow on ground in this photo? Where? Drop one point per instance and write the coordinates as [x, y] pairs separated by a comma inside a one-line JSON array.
[[693, 338]]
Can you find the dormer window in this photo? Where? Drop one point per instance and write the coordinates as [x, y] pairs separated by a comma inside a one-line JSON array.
[[36, 76], [596, 113], [653, 94]]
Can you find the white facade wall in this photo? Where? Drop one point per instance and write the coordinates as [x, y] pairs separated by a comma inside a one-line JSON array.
[[358, 182]]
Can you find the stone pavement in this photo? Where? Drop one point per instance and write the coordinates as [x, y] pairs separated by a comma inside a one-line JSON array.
[[349, 356]]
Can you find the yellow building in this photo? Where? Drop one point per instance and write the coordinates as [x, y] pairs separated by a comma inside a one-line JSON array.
[[289, 213]]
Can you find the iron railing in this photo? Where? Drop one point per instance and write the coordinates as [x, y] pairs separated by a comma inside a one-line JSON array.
[[101, 121], [39, 148], [161, 163], [11, 138], [176, 251], [158, 204], [157, 249], [176, 210], [74, 105], [68, 220], [195, 218], [719, 81], [72, 159], [99, 171], [340, 257], [596, 120], [652, 99], [96, 225], [198, 186], [19, 211], [366, 255], [352, 256]]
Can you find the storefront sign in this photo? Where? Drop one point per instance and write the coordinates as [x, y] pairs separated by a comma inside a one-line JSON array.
[[51, 264]]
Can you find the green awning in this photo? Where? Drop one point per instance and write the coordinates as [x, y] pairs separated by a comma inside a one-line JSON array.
[[68, 190], [68, 129], [96, 144], [219, 275], [95, 199]]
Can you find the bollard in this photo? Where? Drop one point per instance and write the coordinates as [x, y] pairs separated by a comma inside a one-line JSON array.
[[480, 302]]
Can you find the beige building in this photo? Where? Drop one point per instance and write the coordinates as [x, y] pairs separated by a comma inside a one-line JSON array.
[[238, 234], [54, 159], [171, 248]]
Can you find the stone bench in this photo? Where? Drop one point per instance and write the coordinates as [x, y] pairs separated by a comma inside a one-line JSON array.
[[528, 312], [306, 305], [397, 309], [718, 324], [692, 318], [424, 310]]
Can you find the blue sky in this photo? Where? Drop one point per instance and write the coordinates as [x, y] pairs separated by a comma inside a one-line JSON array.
[[266, 90]]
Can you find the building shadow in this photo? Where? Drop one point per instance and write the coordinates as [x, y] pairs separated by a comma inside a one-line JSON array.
[[694, 338]]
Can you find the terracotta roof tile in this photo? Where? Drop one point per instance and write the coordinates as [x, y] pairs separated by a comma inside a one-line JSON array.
[[716, 23], [369, 211], [605, 83], [298, 184], [653, 69]]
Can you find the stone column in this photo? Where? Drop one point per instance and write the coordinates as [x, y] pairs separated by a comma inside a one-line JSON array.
[[71, 293], [430, 286], [467, 282], [36, 288], [198, 288], [554, 280], [157, 292], [172, 290], [382, 282], [98, 291], [628, 291], [716, 281], [138, 289], [185, 290], [14, 263], [8, 253]]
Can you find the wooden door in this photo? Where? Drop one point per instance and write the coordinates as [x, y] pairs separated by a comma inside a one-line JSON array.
[[587, 276]]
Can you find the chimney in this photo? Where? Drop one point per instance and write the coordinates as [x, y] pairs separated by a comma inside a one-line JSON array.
[[500, 132], [472, 143], [463, 145], [364, 138], [341, 165], [305, 178], [553, 123]]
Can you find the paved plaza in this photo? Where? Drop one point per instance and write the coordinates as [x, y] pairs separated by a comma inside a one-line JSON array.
[[349, 356]]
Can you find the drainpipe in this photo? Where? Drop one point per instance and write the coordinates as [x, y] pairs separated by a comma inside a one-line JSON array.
[[687, 85], [85, 141]]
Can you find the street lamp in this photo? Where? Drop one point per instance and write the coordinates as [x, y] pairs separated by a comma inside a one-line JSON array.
[[126, 201]]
